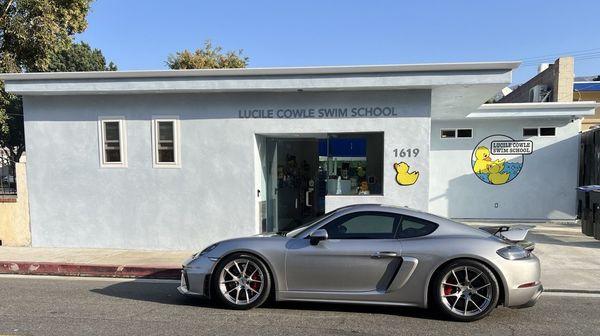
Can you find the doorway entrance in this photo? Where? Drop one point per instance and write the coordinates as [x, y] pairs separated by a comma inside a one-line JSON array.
[[300, 170], [293, 197]]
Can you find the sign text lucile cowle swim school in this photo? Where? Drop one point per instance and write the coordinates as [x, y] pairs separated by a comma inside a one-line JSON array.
[[319, 113]]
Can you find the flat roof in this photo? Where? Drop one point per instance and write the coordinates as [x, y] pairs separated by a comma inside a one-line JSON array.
[[316, 70], [455, 87]]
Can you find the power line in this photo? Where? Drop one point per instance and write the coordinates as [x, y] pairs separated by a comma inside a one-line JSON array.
[[560, 53], [576, 56], [525, 65]]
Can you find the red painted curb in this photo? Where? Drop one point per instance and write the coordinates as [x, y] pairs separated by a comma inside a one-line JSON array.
[[114, 271]]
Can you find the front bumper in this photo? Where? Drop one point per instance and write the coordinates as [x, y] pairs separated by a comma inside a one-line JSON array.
[[194, 284], [195, 277], [184, 287]]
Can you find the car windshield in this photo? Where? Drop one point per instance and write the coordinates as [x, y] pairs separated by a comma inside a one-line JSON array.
[[297, 232]]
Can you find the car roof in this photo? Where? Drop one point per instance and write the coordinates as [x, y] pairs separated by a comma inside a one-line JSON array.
[[403, 210]]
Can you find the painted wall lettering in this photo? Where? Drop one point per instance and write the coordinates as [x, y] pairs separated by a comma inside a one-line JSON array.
[[406, 152], [319, 113], [515, 147]]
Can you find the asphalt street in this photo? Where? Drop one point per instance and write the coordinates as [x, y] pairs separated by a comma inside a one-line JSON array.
[[78, 306]]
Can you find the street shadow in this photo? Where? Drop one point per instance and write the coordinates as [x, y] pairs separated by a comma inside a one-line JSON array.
[[572, 240], [150, 291], [413, 312], [166, 293]]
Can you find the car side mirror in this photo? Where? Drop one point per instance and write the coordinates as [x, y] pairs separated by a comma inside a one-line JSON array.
[[317, 236]]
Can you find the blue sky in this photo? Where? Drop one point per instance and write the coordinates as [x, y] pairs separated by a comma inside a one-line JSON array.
[[141, 34]]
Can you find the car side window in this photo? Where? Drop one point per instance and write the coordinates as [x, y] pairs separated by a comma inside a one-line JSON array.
[[363, 225], [411, 227]]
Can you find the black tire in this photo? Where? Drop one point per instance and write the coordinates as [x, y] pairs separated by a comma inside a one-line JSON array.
[[467, 298], [247, 288]]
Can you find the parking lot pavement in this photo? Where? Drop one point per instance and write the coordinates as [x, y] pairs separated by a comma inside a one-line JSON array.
[[86, 306]]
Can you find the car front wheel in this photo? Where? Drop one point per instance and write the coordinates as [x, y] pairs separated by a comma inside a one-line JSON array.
[[466, 290], [241, 281]]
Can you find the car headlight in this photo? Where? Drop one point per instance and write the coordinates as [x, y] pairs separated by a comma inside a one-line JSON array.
[[513, 252], [205, 251]]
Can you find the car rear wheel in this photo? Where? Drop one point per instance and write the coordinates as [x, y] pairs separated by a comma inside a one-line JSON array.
[[241, 281], [466, 290]]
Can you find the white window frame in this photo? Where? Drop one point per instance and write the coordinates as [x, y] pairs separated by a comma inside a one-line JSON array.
[[176, 139], [447, 129], [464, 128], [455, 133], [539, 131], [547, 136], [122, 141], [530, 136]]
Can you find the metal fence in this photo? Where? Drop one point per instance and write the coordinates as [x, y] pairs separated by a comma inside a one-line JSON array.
[[589, 160], [8, 179]]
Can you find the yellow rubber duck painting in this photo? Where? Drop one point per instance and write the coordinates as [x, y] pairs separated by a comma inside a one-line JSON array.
[[483, 160], [495, 176], [403, 177]]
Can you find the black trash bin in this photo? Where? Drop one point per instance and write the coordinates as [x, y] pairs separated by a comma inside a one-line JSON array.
[[588, 203], [595, 213], [583, 205]]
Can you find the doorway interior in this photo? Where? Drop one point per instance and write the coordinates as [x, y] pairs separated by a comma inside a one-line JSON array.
[[301, 170]]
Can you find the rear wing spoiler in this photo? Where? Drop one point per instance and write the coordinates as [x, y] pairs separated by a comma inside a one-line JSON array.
[[515, 234]]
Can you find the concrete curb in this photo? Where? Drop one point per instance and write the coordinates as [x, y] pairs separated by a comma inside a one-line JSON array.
[[90, 270], [572, 291], [139, 272]]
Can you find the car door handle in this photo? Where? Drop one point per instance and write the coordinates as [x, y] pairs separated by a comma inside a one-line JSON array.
[[384, 254]]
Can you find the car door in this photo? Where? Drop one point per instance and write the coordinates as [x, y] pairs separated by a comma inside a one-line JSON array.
[[361, 254]]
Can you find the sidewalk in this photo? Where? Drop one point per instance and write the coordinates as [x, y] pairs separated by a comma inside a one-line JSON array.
[[92, 262], [570, 261]]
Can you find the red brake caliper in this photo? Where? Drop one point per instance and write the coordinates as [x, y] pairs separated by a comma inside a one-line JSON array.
[[447, 290], [255, 285]]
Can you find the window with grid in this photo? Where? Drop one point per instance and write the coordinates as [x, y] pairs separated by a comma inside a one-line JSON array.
[[112, 142], [166, 142]]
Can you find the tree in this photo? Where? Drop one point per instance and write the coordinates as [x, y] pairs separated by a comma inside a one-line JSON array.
[[208, 57], [32, 32], [79, 57]]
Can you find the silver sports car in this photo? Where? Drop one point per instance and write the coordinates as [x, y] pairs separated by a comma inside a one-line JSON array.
[[373, 254]]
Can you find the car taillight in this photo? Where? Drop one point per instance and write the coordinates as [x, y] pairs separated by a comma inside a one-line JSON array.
[[529, 284]]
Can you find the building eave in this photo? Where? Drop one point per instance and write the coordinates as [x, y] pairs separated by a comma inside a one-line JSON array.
[[275, 71], [536, 110], [376, 77]]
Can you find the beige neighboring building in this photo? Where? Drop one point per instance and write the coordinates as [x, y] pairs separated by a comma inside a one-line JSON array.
[[553, 83], [14, 212], [588, 90], [556, 82]]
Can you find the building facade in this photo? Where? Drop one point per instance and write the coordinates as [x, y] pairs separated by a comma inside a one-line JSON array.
[[179, 159], [588, 91]]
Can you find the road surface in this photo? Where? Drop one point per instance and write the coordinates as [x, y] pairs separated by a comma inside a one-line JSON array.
[[77, 306]]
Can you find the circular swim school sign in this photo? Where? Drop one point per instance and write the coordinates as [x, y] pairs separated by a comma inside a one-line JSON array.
[[498, 159]]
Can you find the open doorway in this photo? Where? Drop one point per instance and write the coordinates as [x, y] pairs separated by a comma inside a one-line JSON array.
[[291, 180], [301, 170]]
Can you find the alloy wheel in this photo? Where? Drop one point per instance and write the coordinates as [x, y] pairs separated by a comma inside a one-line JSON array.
[[241, 281], [466, 291]]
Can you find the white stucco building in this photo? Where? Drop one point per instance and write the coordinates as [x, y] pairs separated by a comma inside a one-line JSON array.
[[178, 159]]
